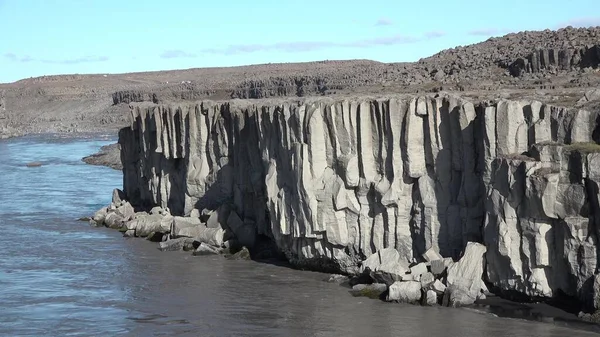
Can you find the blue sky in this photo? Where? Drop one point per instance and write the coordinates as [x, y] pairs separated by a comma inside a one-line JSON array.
[[48, 37]]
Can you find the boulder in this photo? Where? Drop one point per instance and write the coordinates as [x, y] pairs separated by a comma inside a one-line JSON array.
[[242, 254], [159, 211], [204, 249], [195, 213], [438, 287], [405, 292], [430, 298], [418, 270], [181, 225], [438, 267], [219, 217], [431, 255], [210, 236], [464, 280], [373, 291], [426, 279], [114, 220], [117, 196], [125, 210], [177, 244], [153, 223], [385, 266], [100, 215]]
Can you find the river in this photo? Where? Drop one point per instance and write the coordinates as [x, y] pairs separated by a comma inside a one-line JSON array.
[[61, 277]]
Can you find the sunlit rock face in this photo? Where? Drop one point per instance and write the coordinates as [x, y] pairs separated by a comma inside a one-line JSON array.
[[332, 181]]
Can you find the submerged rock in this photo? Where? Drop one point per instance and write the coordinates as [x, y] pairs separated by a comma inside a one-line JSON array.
[[34, 164], [177, 244], [373, 291]]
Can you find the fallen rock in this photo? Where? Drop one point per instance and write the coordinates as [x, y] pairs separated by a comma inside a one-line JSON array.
[[438, 287], [418, 270], [176, 244], [118, 196], [373, 291], [431, 255], [100, 215], [426, 279], [114, 220], [204, 249], [464, 280], [430, 298], [243, 254], [405, 292], [159, 211], [438, 267], [153, 223], [385, 266], [181, 227], [125, 210], [210, 236]]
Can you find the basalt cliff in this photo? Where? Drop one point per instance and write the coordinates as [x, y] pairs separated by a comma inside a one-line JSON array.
[[398, 187]]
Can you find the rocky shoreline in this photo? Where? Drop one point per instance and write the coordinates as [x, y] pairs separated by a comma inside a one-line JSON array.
[[429, 200], [108, 155], [436, 282]]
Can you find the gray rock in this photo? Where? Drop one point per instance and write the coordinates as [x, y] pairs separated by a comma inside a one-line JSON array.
[[177, 244], [464, 280], [438, 287], [432, 255], [185, 226], [204, 249], [118, 196], [405, 292], [438, 267], [100, 215], [386, 266], [418, 270], [430, 298], [427, 279], [242, 254]]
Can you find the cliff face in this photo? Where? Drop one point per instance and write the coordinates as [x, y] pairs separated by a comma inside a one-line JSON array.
[[333, 181]]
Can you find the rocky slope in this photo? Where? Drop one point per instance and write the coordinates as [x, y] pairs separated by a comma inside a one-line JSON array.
[[388, 186], [555, 67]]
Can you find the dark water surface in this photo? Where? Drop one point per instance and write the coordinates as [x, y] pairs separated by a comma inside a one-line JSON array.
[[61, 277]]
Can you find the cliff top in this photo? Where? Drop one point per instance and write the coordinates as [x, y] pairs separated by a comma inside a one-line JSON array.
[[551, 66]]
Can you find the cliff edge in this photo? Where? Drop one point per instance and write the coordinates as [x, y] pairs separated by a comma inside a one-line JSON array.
[[336, 184]]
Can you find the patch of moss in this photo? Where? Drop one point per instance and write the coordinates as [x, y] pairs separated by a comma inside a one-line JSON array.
[[369, 292], [583, 147]]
